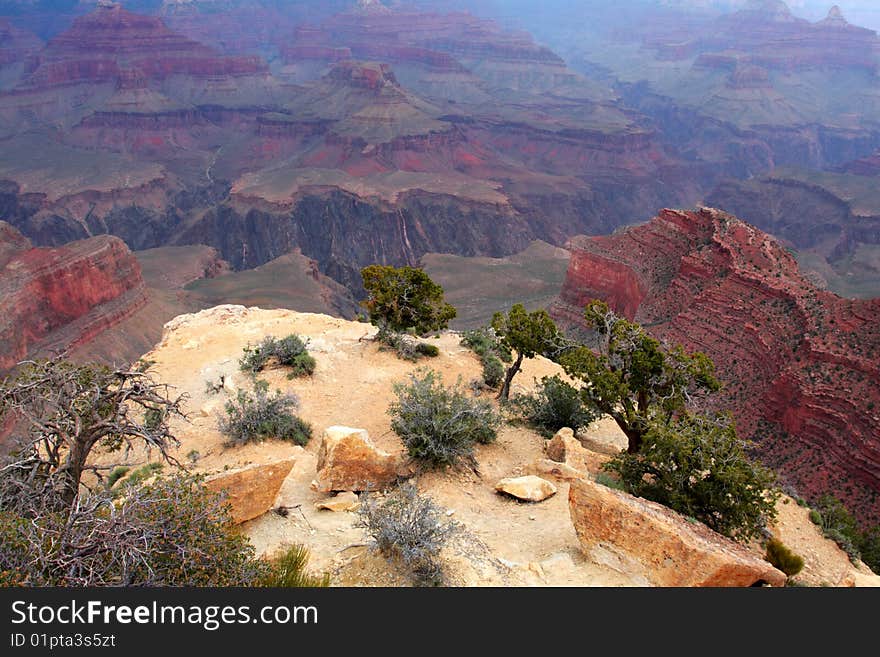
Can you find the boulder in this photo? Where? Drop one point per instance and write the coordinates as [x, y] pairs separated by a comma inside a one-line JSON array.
[[345, 501], [528, 488], [251, 490], [603, 436], [565, 448], [558, 471], [645, 540], [348, 460]]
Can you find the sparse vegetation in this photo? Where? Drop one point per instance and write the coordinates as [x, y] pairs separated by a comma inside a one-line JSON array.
[[288, 569], [781, 557], [290, 352], [554, 404], [409, 527], [407, 347], [698, 467], [257, 416], [838, 524], [438, 425], [492, 354]]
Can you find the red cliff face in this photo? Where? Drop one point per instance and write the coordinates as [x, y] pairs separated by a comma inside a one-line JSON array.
[[800, 365], [55, 299]]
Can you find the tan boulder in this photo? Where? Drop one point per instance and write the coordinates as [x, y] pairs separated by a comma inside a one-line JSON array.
[[251, 490], [345, 501], [603, 436], [348, 460], [528, 488], [647, 541], [558, 471], [565, 448]]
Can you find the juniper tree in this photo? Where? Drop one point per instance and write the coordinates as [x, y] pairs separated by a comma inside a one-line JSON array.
[[60, 411], [526, 334], [633, 377]]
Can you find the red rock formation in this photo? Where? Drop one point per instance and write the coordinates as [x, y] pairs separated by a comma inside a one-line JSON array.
[[55, 299], [103, 45], [800, 365], [772, 37]]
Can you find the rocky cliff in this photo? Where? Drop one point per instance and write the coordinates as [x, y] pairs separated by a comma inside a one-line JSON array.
[[800, 365], [58, 299]]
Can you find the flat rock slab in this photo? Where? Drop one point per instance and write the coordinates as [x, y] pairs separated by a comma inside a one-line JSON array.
[[529, 488], [653, 544]]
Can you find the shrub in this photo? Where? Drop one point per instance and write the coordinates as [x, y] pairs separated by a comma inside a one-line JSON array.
[[439, 426], [493, 371], [288, 570], [783, 558], [259, 416], [554, 405], [816, 517], [407, 347], [116, 474], [491, 352], [173, 532], [698, 467], [410, 527], [611, 482], [290, 352]]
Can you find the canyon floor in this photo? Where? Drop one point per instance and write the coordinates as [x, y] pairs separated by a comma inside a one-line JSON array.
[[503, 542]]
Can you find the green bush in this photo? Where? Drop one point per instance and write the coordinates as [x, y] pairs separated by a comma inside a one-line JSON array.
[[407, 347], [410, 527], [290, 352], [611, 482], [554, 405], [429, 350], [259, 416], [288, 570], [698, 467], [839, 525], [781, 557], [491, 352], [440, 426], [493, 371]]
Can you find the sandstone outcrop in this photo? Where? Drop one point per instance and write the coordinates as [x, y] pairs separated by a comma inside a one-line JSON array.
[[251, 490], [649, 541], [565, 448], [56, 299], [528, 488], [349, 461], [800, 364]]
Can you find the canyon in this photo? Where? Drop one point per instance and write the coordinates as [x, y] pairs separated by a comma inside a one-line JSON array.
[[799, 364]]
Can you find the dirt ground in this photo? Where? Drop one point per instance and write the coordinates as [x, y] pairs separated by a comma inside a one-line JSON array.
[[502, 542]]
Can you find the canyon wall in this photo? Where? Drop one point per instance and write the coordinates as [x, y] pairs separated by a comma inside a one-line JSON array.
[[57, 299], [800, 365]]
